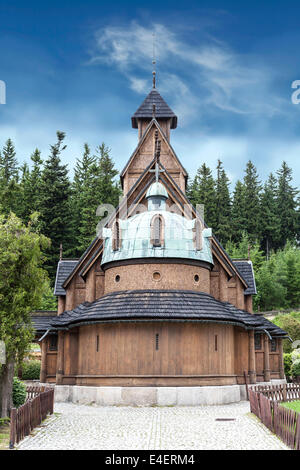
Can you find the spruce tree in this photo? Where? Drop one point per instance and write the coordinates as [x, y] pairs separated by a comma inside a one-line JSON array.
[[30, 186], [83, 179], [8, 162], [35, 179], [192, 190], [54, 205], [202, 191], [252, 190], [287, 205], [99, 187], [238, 212], [9, 187], [269, 220], [223, 226], [25, 209], [110, 189]]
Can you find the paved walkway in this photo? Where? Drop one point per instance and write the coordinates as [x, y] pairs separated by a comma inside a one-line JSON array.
[[90, 427]]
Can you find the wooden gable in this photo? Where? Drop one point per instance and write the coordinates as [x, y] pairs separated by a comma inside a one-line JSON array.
[[143, 155]]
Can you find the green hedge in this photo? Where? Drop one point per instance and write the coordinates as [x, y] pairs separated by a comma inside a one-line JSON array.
[[19, 393], [31, 370], [287, 359], [296, 368]]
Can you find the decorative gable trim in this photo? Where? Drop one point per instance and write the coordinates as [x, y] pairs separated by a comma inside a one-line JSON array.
[[142, 140]]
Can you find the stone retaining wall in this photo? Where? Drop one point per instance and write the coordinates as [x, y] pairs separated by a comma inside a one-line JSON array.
[[148, 396], [152, 396]]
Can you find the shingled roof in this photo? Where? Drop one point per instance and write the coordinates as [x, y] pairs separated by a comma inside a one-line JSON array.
[[162, 110], [245, 267], [155, 305], [41, 320], [64, 269]]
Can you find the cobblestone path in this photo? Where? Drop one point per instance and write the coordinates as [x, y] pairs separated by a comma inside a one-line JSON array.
[[90, 427]]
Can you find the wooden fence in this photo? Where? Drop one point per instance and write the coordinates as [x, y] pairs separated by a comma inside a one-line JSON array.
[[34, 390], [24, 419], [285, 423], [282, 392]]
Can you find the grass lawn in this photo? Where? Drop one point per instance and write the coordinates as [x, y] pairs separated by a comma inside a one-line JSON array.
[[4, 436], [293, 405]]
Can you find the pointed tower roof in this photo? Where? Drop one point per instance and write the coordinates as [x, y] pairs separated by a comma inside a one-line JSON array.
[[162, 110]]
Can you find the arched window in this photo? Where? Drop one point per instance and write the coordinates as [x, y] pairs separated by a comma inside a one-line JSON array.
[[198, 235], [116, 236], [157, 230]]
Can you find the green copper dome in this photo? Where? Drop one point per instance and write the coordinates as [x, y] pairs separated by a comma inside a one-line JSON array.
[[178, 234], [157, 190]]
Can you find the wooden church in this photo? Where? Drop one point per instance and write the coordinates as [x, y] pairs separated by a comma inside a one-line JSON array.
[[155, 300]]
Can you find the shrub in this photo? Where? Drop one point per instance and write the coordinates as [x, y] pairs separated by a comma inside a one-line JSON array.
[[19, 392], [31, 370], [295, 355], [287, 359], [296, 368], [4, 422], [291, 324]]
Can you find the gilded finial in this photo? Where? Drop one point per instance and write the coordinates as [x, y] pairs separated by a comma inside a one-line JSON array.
[[154, 63]]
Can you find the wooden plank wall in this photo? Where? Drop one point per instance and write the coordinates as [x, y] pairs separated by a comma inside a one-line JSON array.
[[130, 349]]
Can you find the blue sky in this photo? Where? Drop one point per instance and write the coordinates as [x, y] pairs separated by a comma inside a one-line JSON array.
[[225, 68]]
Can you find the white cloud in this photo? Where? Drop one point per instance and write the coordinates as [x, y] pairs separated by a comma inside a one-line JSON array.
[[138, 84], [197, 76]]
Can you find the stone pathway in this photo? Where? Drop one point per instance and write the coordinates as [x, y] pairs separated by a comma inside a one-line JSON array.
[[90, 427]]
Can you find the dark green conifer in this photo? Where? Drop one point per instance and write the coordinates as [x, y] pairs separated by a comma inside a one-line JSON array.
[[252, 189], [269, 220], [238, 212], [202, 192], [223, 226], [54, 205], [287, 206]]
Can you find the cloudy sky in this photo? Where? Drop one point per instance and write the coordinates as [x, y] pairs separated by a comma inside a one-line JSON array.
[[83, 67]]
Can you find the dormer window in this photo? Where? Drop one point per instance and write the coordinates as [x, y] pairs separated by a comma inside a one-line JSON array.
[[116, 236], [198, 235], [157, 231]]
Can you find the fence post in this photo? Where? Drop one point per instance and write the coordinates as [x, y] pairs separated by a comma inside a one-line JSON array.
[[246, 384], [52, 401], [297, 434], [284, 392], [12, 436]]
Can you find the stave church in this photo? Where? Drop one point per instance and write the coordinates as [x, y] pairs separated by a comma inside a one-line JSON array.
[[155, 302]]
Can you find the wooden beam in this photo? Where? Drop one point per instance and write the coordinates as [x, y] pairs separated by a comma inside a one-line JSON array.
[[60, 358], [252, 365], [281, 362], [267, 373]]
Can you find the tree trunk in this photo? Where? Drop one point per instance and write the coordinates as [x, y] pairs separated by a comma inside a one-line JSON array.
[[6, 384]]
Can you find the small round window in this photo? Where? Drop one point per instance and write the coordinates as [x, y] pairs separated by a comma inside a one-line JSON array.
[[156, 276], [196, 278], [117, 278]]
